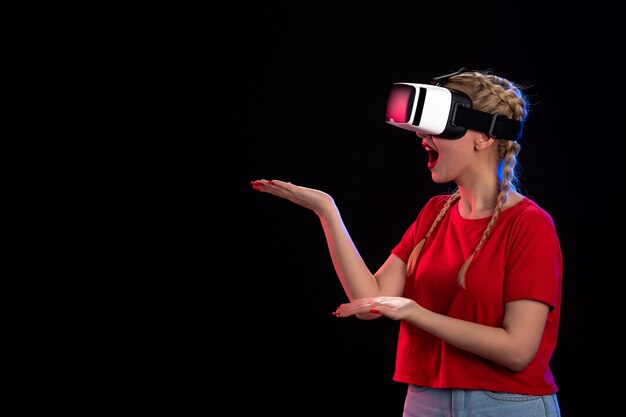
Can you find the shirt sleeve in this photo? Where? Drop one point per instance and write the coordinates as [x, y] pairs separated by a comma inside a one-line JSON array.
[[535, 265], [404, 248]]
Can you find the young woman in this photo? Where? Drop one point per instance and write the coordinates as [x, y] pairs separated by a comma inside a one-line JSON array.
[[475, 280]]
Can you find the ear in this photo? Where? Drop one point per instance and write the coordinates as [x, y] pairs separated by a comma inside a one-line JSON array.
[[482, 141]]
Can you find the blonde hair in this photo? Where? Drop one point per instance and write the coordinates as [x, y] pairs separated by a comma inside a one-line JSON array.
[[491, 94]]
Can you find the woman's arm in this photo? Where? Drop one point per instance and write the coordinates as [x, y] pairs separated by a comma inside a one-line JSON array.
[[513, 345]]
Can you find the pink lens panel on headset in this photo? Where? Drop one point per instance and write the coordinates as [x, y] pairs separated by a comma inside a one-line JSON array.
[[400, 103]]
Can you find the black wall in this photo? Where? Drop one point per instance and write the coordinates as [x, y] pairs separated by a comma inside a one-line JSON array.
[[232, 290]]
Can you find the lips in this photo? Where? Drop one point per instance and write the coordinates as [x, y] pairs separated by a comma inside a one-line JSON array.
[[433, 155]]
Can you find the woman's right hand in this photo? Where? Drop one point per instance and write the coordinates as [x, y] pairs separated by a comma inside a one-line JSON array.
[[315, 200]]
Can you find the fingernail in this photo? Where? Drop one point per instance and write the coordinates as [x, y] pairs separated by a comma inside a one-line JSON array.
[[373, 310]]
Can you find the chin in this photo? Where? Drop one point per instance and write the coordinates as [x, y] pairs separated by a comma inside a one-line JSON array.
[[438, 179]]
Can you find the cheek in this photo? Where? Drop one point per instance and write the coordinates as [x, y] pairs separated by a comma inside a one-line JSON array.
[[455, 155], [459, 146]]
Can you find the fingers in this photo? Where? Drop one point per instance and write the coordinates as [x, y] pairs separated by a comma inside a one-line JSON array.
[[360, 306], [260, 184], [264, 185], [257, 185], [269, 185], [269, 182]]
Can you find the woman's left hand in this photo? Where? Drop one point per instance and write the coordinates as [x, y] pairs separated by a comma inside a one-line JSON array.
[[396, 308]]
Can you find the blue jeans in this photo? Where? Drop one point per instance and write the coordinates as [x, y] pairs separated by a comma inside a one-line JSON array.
[[433, 402]]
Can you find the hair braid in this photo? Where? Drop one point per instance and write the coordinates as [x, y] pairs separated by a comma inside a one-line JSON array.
[[412, 263], [491, 94]]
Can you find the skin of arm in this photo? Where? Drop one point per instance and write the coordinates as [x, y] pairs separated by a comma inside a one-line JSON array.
[[513, 345]]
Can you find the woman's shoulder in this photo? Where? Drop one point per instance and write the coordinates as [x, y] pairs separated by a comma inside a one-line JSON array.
[[530, 211], [432, 207], [438, 201]]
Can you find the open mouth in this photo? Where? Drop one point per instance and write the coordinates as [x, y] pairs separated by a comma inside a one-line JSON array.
[[433, 155]]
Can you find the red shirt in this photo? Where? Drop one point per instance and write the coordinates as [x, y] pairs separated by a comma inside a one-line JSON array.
[[521, 259]]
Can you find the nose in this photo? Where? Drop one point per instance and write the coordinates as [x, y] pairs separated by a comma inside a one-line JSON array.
[[424, 136]]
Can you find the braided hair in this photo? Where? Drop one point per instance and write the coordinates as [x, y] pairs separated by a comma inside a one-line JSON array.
[[491, 94]]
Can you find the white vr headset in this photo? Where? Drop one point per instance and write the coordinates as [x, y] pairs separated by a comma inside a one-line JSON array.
[[444, 112]]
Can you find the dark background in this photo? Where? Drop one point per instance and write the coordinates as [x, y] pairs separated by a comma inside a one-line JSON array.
[[232, 290]]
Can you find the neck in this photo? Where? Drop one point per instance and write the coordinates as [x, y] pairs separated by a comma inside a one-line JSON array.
[[479, 203]]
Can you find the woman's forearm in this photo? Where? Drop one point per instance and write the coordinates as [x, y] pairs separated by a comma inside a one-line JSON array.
[[492, 343], [356, 278]]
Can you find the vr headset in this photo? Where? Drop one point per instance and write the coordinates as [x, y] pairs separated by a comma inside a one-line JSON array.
[[444, 112]]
